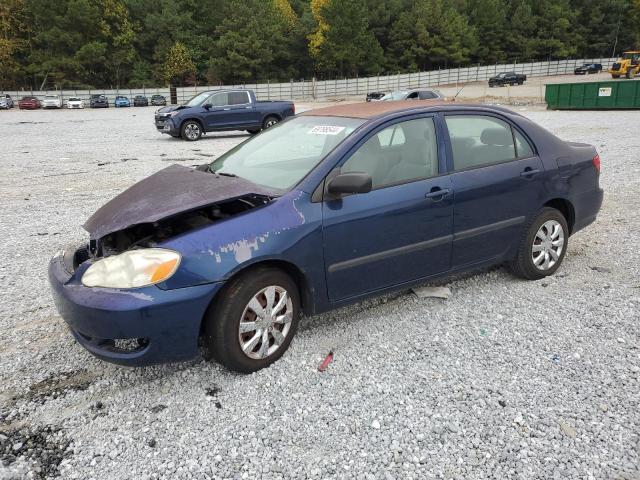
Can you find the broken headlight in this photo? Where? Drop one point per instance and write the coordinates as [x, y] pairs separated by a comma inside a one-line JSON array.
[[132, 269]]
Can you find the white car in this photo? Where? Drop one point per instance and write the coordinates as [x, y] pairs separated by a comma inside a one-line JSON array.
[[74, 102], [52, 101]]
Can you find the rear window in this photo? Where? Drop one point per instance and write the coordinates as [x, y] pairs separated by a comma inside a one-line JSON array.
[[238, 98], [478, 140]]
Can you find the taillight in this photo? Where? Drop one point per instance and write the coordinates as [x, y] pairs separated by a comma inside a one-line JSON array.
[[294, 108], [596, 162]]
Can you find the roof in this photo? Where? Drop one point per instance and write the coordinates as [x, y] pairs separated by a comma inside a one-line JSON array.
[[372, 109]]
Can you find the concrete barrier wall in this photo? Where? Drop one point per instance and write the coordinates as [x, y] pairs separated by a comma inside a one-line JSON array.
[[340, 88]]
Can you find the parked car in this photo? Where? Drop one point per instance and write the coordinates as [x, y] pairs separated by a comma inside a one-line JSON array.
[[121, 101], [373, 96], [415, 94], [158, 101], [140, 101], [99, 101], [328, 208], [52, 101], [6, 101], [507, 78], [221, 110], [588, 68], [29, 103], [75, 102]]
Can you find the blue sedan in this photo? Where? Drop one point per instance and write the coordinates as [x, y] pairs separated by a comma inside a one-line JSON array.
[[325, 209], [121, 101]]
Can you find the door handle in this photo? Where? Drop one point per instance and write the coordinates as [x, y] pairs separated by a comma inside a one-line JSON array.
[[225, 109], [527, 172], [436, 194]]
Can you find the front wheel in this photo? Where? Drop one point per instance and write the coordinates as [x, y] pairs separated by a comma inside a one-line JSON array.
[[543, 247], [254, 320], [191, 130]]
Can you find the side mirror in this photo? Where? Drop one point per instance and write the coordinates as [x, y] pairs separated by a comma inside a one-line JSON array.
[[352, 182], [207, 106]]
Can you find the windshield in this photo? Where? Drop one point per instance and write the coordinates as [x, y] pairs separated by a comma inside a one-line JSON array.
[[284, 154], [74, 99], [397, 95], [55, 97], [198, 99]]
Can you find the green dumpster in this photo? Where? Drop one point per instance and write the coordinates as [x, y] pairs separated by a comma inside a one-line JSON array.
[[593, 95]]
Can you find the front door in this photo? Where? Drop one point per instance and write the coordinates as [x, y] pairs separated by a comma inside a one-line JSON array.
[[229, 110], [401, 230], [498, 180]]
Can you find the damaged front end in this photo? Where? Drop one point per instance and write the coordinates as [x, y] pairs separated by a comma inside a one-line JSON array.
[[169, 203], [148, 235]]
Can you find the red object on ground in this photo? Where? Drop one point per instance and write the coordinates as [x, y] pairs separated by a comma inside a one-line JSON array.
[[325, 363]]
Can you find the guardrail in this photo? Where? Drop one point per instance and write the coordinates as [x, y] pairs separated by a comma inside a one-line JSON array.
[[340, 88]]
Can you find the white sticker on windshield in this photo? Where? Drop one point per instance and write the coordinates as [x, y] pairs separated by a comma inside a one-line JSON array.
[[326, 130]]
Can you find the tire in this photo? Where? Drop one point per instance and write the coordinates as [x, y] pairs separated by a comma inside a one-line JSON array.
[[269, 122], [544, 223], [629, 73], [191, 130], [222, 321], [615, 76], [254, 131]]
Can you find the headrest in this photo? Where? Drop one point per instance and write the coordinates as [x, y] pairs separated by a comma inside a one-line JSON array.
[[496, 136]]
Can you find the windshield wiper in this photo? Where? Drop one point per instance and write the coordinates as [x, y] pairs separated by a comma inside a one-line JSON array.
[[226, 174]]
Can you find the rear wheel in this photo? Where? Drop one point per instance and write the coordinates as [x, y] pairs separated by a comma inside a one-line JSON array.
[[191, 130], [543, 247], [253, 322], [615, 76], [270, 121]]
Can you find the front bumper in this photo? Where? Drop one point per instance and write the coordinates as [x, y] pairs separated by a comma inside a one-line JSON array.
[[155, 325], [166, 125]]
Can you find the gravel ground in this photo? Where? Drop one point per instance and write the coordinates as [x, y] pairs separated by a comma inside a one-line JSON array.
[[505, 379]]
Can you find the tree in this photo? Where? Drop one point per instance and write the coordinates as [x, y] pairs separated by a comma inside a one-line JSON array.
[[178, 65], [489, 18], [432, 34], [342, 43]]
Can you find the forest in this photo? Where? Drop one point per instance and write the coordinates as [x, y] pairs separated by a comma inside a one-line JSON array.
[[135, 43]]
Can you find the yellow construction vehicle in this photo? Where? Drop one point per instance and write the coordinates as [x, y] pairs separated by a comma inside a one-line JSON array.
[[626, 66]]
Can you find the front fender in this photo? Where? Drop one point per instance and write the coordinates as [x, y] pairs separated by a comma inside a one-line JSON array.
[[287, 229]]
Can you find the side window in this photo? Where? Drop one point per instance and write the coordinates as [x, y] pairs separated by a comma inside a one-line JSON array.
[[427, 95], [478, 140], [238, 98], [523, 148], [219, 99], [398, 154], [412, 96], [391, 136]]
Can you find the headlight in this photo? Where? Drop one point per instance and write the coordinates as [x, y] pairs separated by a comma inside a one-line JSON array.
[[132, 269]]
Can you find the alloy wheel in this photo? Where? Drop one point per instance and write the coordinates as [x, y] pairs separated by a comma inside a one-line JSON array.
[[192, 131]]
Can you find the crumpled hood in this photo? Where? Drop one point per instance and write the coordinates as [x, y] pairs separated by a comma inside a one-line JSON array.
[[170, 191], [170, 108]]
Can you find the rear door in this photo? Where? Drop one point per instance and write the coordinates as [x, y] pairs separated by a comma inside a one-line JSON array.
[[401, 230], [498, 184]]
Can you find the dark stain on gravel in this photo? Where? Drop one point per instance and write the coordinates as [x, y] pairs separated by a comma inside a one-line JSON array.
[[43, 447], [212, 391], [157, 408], [178, 159], [58, 385]]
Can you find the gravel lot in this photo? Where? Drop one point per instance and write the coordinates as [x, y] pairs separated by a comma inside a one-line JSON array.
[[505, 379]]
